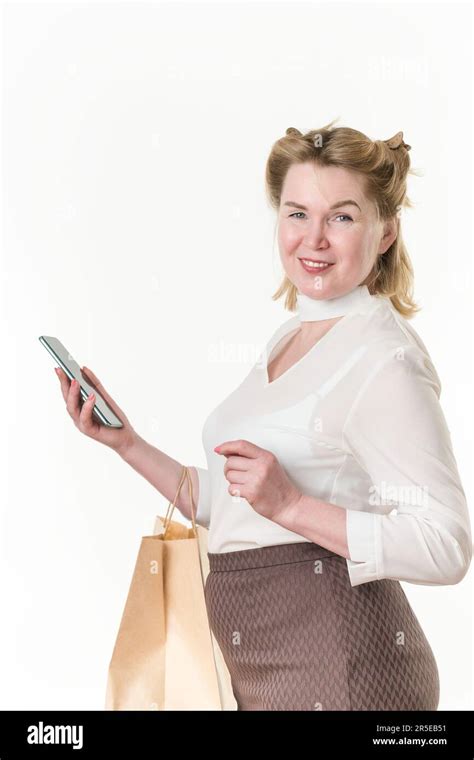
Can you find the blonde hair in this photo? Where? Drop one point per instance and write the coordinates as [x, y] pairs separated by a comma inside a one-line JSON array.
[[383, 165]]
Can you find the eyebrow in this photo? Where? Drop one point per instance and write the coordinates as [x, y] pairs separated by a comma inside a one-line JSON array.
[[335, 205]]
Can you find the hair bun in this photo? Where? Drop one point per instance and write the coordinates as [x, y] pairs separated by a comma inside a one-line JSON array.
[[293, 131], [396, 141]]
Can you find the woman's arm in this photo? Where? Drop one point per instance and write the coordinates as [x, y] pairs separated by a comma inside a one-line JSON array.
[[320, 522], [397, 432], [164, 473]]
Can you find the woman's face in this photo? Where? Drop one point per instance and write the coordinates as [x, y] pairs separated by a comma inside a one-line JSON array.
[[313, 224]]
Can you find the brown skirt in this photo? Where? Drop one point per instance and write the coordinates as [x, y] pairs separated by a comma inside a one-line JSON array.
[[296, 635]]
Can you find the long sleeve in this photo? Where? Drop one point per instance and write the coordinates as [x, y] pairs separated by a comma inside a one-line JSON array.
[[203, 509], [397, 432]]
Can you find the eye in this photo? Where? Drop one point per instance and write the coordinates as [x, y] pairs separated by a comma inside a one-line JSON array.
[[346, 216]]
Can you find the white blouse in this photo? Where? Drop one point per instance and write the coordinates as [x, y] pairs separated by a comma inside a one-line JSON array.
[[355, 422]]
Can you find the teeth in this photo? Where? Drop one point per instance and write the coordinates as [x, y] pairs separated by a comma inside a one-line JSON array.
[[314, 264]]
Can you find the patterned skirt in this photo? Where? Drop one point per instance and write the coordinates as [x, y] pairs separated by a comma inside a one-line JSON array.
[[295, 634]]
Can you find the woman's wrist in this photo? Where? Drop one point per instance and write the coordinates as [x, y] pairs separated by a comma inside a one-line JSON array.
[[162, 471], [129, 450]]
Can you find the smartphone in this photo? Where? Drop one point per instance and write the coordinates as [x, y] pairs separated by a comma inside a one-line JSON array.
[[101, 409]]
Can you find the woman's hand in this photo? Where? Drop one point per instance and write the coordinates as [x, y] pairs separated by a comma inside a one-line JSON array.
[[118, 439], [256, 475]]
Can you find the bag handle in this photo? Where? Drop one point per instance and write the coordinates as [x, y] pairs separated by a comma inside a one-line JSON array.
[[167, 520]]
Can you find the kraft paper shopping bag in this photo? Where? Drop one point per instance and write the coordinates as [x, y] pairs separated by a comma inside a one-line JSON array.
[[165, 655]]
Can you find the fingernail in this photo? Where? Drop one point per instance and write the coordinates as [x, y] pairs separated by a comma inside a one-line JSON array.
[[91, 397]]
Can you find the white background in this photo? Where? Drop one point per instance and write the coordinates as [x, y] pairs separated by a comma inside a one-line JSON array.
[[136, 230]]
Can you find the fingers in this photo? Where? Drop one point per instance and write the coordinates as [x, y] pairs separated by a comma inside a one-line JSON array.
[[97, 385], [64, 381], [86, 420], [82, 416], [72, 395], [72, 401]]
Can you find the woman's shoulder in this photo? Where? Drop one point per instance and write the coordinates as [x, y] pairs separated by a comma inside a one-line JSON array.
[[390, 336]]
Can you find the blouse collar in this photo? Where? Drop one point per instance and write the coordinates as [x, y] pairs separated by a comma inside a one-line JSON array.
[[311, 309]]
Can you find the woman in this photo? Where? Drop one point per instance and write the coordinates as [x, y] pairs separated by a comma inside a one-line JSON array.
[[331, 474]]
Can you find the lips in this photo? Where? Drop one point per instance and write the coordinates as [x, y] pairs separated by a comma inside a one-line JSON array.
[[316, 261], [314, 269]]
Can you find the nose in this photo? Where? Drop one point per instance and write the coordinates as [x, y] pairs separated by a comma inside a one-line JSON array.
[[316, 236]]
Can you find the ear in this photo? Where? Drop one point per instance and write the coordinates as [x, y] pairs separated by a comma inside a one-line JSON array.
[[390, 232]]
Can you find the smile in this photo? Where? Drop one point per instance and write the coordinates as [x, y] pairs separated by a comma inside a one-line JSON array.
[[312, 266]]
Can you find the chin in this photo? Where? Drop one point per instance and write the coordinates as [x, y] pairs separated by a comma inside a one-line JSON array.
[[318, 285]]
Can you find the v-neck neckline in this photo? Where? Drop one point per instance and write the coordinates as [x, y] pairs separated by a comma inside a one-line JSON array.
[[278, 338]]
